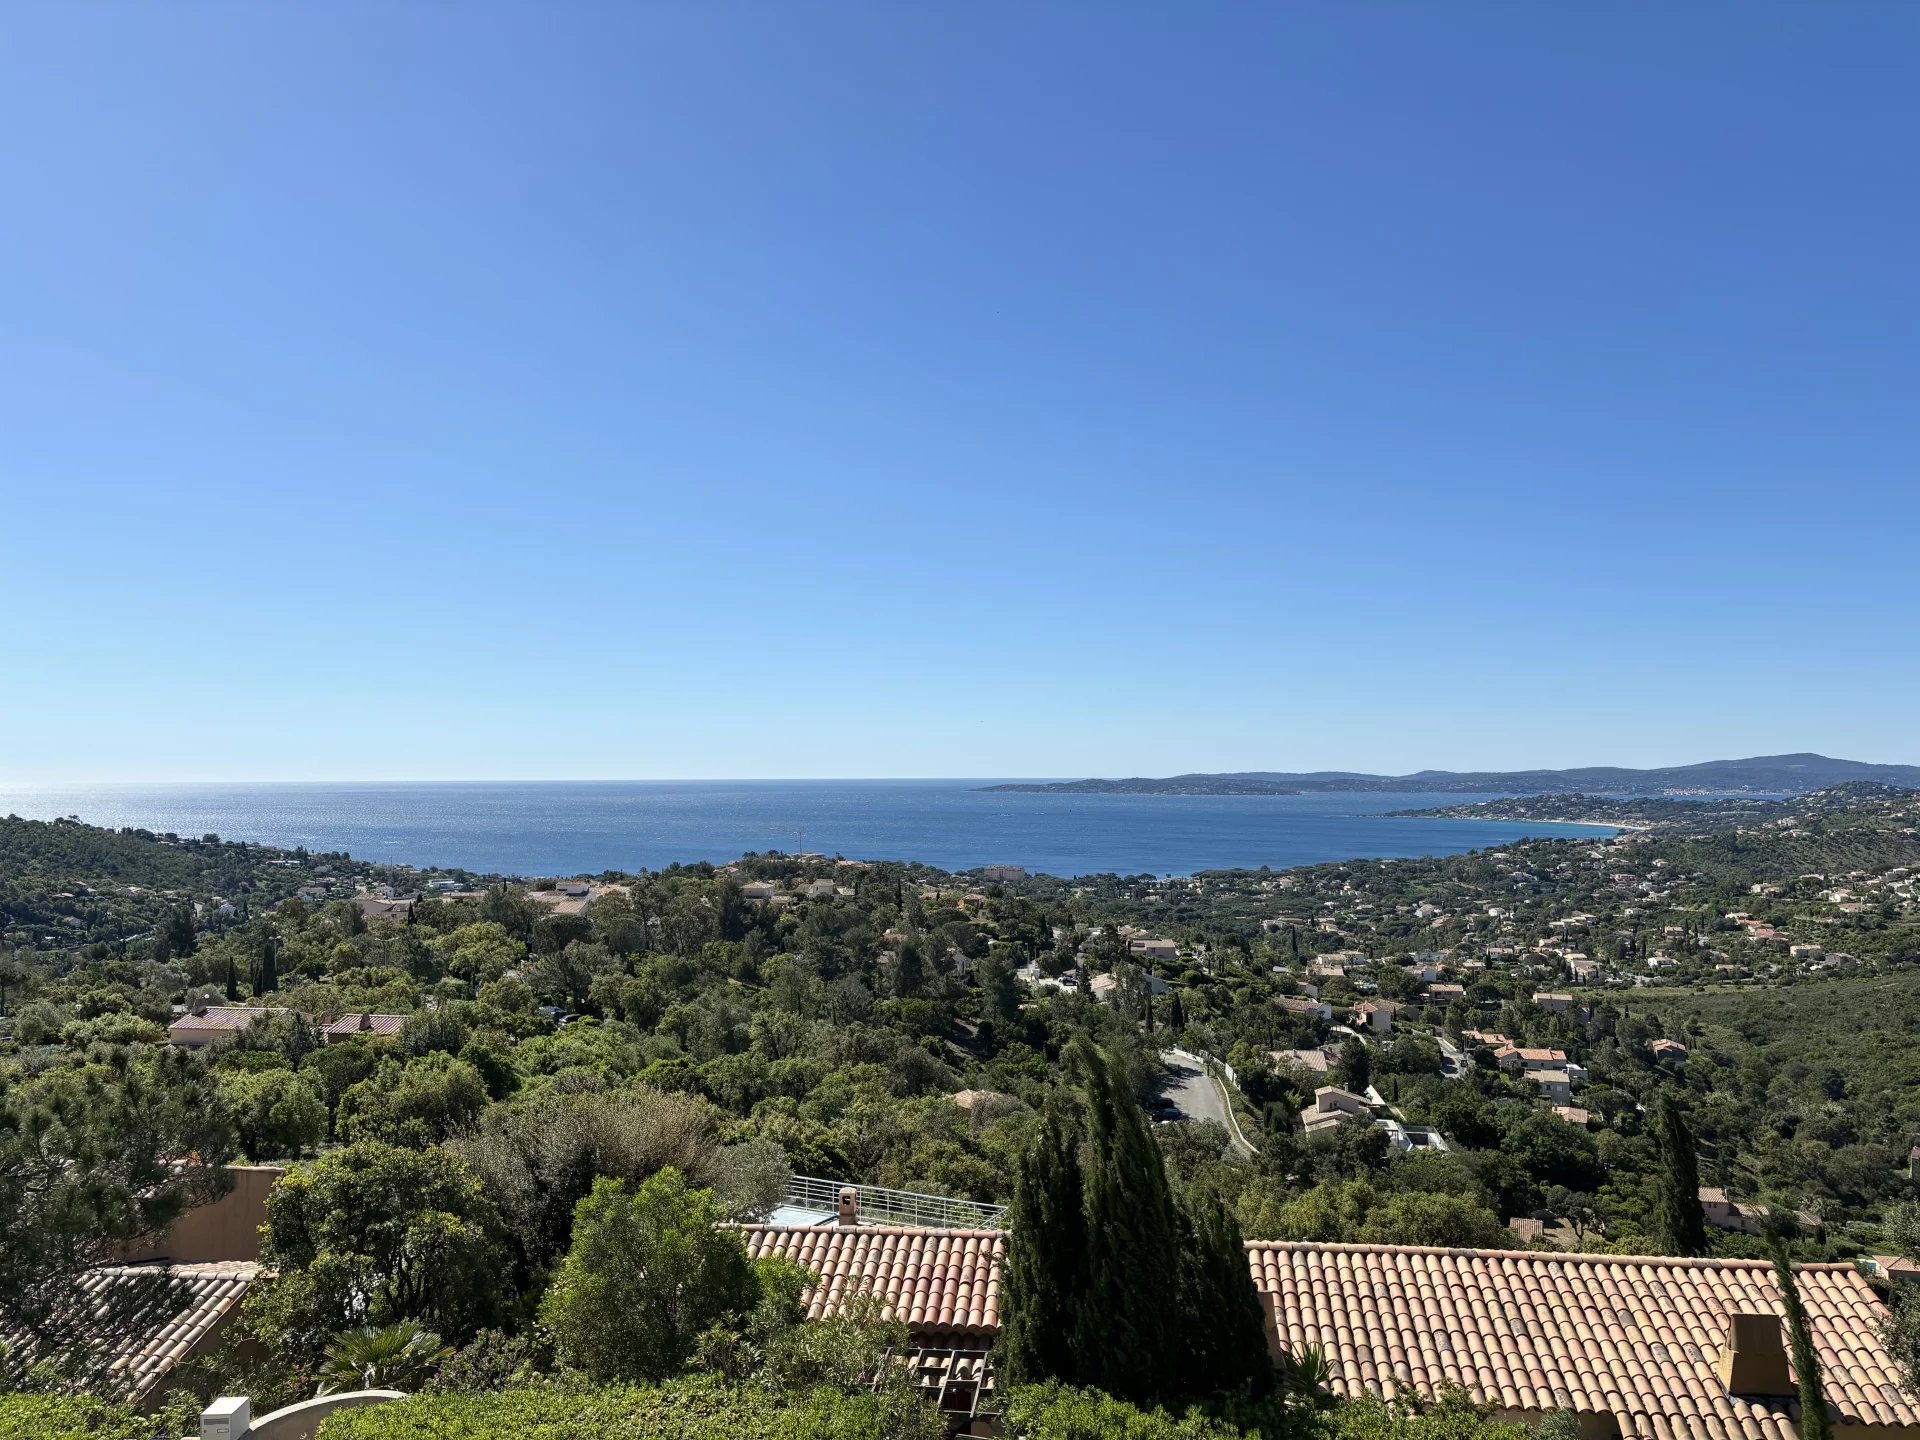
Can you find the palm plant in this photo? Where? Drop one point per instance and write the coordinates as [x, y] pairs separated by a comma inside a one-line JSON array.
[[401, 1356]]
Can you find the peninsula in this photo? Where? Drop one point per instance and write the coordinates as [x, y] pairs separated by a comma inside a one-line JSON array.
[[1759, 775]]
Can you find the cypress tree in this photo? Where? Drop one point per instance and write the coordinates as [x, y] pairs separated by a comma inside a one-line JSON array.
[[233, 980], [1356, 1065], [1109, 1282], [1046, 1248], [1122, 1342], [909, 970], [1679, 1226], [1223, 1320], [1814, 1422], [269, 980]]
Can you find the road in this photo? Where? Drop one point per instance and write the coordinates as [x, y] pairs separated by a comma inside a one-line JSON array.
[[1198, 1095], [1453, 1063]]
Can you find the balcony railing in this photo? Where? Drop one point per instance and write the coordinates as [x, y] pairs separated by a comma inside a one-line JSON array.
[[881, 1206]]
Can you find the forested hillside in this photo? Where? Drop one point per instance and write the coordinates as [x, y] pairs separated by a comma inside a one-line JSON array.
[[1523, 1037]]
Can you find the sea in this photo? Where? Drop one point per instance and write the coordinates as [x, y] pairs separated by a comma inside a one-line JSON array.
[[586, 827]]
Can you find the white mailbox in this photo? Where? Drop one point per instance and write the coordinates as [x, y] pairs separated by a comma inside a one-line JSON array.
[[228, 1418]]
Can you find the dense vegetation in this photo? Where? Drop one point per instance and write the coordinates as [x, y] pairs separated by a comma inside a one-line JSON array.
[[581, 1077], [703, 1410], [28, 1416]]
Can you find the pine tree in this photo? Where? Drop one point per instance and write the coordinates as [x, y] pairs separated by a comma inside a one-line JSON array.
[[1046, 1249], [1679, 1226]]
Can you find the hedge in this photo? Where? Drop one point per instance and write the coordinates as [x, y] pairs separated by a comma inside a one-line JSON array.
[[1060, 1412], [701, 1409], [81, 1417], [706, 1409]]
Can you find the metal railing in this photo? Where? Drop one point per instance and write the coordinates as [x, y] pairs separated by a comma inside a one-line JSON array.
[[881, 1206]]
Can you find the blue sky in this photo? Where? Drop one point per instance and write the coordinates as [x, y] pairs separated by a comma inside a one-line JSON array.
[[498, 391]]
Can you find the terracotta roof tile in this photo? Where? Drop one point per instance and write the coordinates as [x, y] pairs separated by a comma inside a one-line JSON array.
[[1635, 1337], [205, 1297], [940, 1282], [365, 1022]]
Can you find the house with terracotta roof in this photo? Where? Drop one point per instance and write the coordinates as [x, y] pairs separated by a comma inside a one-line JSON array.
[[200, 1302], [1320, 1061], [1725, 1213], [363, 1022], [1669, 1052], [944, 1285], [1638, 1347], [1375, 1015], [1530, 1057], [202, 1027], [1894, 1269], [570, 897], [1332, 1107], [1300, 1005], [1555, 1086], [1103, 987], [383, 907]]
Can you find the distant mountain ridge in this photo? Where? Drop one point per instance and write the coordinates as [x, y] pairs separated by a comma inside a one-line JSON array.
[[1765, 774]]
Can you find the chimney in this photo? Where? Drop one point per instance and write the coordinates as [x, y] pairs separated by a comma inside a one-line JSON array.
[[366, 1020], [849, 1205], [1754, 1359]]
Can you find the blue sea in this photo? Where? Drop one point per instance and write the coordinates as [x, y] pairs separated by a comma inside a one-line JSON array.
[[541, 828]]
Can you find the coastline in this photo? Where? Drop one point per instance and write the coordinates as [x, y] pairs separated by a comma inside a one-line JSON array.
[[570, 828], [1616, 827]]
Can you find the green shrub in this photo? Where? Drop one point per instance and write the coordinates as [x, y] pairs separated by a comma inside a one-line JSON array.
[[700, 1409], [1059, 1412], [1451, 1418], [80, 1417]]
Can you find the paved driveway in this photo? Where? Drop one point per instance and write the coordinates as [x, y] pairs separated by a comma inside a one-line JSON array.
[[1195, 1093]]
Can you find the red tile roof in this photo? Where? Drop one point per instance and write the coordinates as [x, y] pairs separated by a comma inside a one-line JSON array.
[[205, 1298], [218, 1019], [1633, 1337], [365, 1022], [940, 1282]]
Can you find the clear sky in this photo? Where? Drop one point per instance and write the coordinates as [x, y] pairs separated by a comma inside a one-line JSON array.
[[790, 389]]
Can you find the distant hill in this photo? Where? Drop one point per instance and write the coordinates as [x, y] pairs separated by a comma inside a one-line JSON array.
[[1762, 774]]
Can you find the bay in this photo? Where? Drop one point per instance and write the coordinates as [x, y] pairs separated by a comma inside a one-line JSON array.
[[550, 828]]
